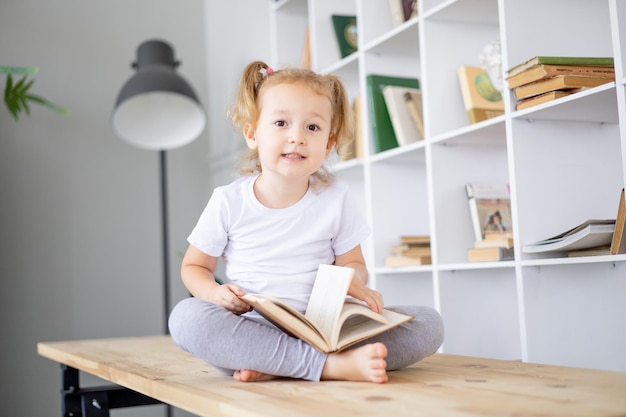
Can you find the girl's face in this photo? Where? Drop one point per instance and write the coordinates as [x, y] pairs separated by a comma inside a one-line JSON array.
[[292, 135]]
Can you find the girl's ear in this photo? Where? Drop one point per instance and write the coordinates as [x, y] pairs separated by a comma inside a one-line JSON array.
[[249, 134], [332, 139]]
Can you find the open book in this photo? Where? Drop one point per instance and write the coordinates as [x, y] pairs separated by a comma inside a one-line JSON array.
[[589, 234], [332, 321]]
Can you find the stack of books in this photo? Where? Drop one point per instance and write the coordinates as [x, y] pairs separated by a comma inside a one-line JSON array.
[[412, 250], [545, 78], [496, 246]]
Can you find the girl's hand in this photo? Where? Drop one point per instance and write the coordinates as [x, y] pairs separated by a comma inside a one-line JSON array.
[[372, 298], [227, 296]]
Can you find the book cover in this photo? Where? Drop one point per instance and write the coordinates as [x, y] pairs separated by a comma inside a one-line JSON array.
[[409, 8], [490, 208], [346, 33], [332, 321], [561, 60], [589, 234], [543, 98], [481, 99], [541, 71], [404, 127], [383, 136], [618, 242], [489, 254], [560, 82]]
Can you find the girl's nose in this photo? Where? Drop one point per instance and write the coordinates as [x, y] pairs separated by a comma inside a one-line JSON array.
[[297, 137]]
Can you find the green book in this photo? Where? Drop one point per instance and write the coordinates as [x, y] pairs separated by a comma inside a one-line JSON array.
[[562, 60], [346, 33], [383, 135]]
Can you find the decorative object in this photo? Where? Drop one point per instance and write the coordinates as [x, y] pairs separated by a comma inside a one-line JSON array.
[[491, 61]]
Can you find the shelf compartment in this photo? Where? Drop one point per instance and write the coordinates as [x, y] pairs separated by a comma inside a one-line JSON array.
[[480, 313], [572, 315]]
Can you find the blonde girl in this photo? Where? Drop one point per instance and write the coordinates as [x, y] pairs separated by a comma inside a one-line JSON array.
[[272, 228]]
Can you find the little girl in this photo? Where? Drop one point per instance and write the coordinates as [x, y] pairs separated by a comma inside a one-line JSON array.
[[273, 228]]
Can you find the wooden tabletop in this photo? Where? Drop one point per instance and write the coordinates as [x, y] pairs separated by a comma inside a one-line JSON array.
[[442, 385]]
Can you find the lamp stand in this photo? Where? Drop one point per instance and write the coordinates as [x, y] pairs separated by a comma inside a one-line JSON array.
[[165, 237]]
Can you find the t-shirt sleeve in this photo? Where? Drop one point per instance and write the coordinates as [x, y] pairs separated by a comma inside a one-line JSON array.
[[353, 228], [210, 234]]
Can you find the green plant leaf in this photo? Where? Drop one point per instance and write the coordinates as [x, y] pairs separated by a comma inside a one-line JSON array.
[[18, 70], [17, 97]]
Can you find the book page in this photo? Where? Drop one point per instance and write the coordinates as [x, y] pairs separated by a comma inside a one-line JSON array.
[[328, 295], [361, 323], [287, 318]]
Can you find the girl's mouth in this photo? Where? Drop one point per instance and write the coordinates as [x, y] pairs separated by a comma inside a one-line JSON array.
[[293, 156]]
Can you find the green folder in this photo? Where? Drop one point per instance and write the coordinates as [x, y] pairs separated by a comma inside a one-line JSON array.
[[383, 136]]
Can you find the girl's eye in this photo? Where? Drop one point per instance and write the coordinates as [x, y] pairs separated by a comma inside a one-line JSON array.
[[313, 128], [280, 123]]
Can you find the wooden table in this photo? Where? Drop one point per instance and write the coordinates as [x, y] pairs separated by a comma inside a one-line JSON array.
[[442, 385]]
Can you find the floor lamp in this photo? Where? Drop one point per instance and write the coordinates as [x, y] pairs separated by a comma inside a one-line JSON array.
[[157, 109]]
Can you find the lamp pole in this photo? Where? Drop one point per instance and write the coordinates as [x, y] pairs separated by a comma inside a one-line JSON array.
[[165, 237]]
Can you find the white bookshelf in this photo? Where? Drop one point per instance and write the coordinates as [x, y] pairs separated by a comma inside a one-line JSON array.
[[565, 162]]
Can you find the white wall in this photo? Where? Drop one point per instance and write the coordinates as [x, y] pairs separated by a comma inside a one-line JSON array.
[[79, 208]]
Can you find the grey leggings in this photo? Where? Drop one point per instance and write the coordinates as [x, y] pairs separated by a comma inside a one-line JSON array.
[[229, 342]]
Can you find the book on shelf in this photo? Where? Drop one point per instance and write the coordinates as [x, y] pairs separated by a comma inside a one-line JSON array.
[[383, 135], [332, 321], [543, 98], [481, 99], [560, 82], [589, 234], [490, 208], [402, 121], [415, 239], [305, 61], [346, 33], [489, 254], [597, 251], [618, 242], [402, 10], [495, 240], [406, 260], [560, 60], [413, 100], [409, 7], [411, 250], [355, 148], [542, 71]]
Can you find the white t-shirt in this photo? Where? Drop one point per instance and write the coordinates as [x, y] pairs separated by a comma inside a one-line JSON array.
[[278, 251]]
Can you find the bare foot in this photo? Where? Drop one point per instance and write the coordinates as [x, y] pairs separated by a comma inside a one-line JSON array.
[[247, 375], [366, 363]]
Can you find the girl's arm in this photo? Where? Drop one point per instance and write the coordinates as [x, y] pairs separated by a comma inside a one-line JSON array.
[[197, 275], [358, 288]]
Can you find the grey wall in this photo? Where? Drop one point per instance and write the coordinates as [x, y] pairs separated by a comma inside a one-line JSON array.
[[79, 209]]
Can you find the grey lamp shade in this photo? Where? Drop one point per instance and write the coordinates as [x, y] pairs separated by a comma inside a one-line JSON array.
[[156, 108]]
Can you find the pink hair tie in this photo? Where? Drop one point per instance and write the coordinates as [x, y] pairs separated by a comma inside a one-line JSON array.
[[265, 71]]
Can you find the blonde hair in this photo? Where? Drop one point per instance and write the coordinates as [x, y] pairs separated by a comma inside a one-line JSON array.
[[258, 76]]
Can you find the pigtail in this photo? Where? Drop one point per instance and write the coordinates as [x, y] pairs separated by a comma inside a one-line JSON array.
[[245, 109], [343, 124]]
